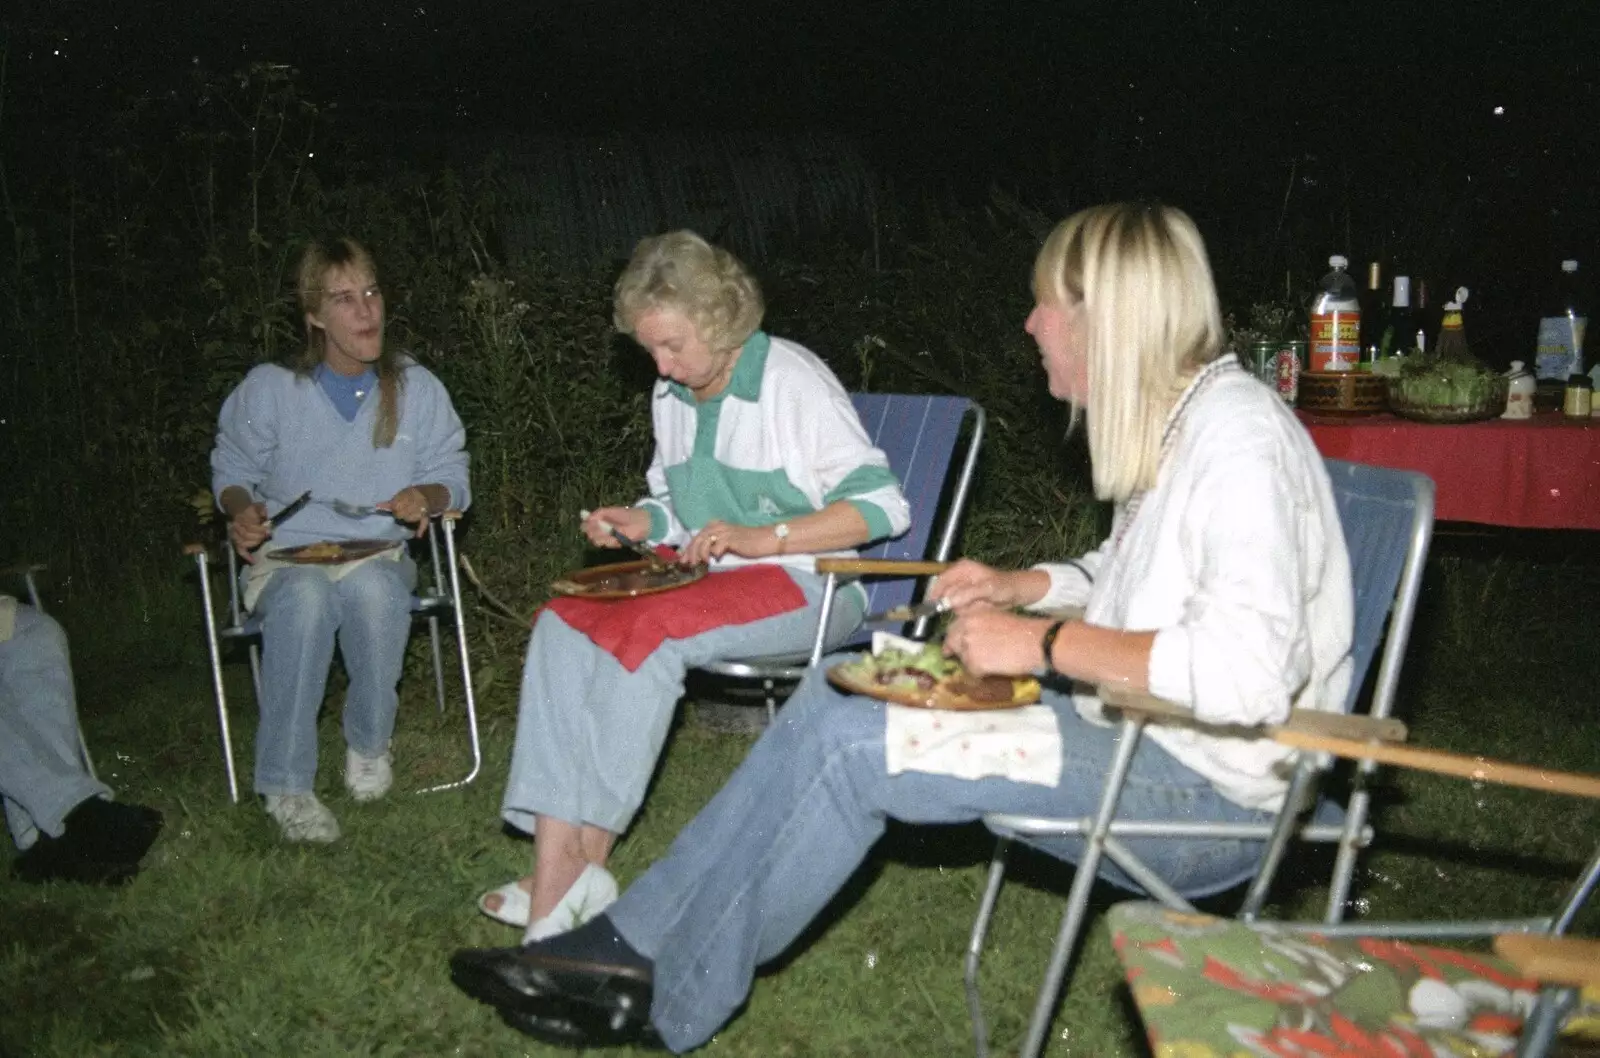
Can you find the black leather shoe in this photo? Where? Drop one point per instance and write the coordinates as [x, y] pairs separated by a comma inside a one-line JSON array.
[[603, 1004], [581, 1029]]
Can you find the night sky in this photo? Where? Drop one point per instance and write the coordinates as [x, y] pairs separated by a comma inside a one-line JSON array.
[[1396, 120]]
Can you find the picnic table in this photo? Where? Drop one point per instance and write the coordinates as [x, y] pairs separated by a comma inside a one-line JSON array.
[[1538, 473]]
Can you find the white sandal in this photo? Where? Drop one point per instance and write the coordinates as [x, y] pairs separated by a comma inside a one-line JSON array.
[[515, 904], [593, 892]]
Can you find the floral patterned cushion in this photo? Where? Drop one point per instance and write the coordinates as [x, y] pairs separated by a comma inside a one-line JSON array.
[[1210, 986]]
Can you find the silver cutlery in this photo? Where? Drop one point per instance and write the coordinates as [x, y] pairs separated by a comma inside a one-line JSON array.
[[931, 608]]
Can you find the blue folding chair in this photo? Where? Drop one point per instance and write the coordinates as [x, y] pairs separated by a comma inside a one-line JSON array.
[[1387, 518], [439, 599], [922, 436]]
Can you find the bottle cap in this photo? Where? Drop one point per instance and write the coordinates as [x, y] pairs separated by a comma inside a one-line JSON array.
[[1461, 299], [1402, 292], [1569, 266], [1339, 262], [1516, 368]]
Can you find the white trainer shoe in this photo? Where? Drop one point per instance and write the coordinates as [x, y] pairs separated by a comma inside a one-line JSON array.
[[367, 778], [302, 817]]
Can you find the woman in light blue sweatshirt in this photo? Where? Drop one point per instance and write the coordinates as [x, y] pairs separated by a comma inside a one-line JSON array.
[[352, 420]]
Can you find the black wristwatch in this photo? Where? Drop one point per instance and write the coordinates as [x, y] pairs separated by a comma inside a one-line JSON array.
[[1048, 643]]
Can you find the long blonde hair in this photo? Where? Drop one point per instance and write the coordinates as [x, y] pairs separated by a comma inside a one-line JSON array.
[[1152, 321], [318, 259]]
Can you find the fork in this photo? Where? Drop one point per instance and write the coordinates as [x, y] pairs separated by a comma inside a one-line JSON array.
[[353, 510]]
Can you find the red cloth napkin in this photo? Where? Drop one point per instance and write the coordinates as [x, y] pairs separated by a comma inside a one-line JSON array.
[[631, 629]]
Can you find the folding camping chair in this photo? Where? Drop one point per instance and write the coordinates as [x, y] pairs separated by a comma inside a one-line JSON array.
[[1204, 984], [27, 573], [1387, 518], [431, 603], [921, 435]]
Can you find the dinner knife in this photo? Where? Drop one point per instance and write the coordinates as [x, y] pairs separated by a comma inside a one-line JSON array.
[[290, 511]]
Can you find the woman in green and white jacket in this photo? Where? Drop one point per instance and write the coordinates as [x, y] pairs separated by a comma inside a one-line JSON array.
[[760, 458]]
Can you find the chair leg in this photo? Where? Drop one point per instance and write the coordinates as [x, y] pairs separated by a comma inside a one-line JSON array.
[[1539, 1031], [215, 650], [438, 662], [1078, 897], [465, 659], [980, 931], [1344, 862]]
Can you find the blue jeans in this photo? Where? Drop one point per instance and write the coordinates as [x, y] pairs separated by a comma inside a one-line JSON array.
[[302, 612], [769, 851], [589, 731], [42, 774]]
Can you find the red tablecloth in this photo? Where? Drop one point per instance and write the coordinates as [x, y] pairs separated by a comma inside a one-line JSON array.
[[1539, 473]]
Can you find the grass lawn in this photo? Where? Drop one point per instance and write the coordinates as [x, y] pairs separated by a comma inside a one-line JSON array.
[[232, 943]]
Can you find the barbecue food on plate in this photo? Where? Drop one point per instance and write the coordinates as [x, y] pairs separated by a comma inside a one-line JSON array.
[[928, 678]]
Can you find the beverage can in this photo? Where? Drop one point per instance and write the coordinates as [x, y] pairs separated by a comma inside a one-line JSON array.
[[1262, 362], [1287, 363]]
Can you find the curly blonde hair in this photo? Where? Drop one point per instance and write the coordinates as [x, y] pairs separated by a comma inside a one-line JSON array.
[[710, 286]]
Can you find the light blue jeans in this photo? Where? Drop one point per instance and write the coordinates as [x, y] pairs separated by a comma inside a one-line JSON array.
[[769, 851], [302, 613], [42, 774], [589, 731]]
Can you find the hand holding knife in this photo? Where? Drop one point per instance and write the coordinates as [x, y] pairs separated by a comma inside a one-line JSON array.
[[636, 546]]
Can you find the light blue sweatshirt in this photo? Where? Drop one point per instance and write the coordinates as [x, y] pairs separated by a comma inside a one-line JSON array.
[[279, 435]]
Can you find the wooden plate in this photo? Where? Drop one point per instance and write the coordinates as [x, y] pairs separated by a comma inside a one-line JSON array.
[[333, 552], [962, 693], [624, 580]]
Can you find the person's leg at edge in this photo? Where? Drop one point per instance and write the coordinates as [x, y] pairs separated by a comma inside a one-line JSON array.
[[42, 777], [769, 851], [299, 619], [374, 626], [564, 848]]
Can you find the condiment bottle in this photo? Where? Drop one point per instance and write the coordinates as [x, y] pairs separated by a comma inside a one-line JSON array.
[[1519, 392], [1578, 399], [1336, 321]]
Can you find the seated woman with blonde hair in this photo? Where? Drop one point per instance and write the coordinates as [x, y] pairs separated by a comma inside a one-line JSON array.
[[1224, 586], [761, 464]]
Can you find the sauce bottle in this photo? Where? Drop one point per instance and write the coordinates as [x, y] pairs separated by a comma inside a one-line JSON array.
[[1336, 321]]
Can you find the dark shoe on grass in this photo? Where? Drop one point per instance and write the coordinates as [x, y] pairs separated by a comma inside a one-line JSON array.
[[102, 844], [587, 987]]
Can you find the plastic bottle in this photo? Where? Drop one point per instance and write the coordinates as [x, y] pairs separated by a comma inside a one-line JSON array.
[[1519, 392], [1336, 321], [1559, 353]]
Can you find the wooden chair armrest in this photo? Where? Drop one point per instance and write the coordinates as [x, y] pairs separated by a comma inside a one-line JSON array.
[[1309, 722], [191, 550], [452, 515], [23, 569], [1573, 961], [886, 566]]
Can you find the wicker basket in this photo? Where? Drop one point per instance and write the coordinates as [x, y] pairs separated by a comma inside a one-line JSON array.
[[1342, 393], [1491, 407]]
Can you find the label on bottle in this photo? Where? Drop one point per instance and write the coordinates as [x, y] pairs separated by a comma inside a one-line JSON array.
[[1335, 340], [1560, 349]]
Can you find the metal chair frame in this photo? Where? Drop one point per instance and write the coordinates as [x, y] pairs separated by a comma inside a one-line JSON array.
[[431, 604], [900, 561], [1396, 494]]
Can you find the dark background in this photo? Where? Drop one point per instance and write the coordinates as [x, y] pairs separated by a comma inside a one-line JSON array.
[[1455, 141]]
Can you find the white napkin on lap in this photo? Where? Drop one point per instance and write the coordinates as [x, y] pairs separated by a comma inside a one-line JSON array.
[[1023, 745]]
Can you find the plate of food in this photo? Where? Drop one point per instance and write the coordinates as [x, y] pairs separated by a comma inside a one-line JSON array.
[[333, 552], [926, 679], [624, 580]]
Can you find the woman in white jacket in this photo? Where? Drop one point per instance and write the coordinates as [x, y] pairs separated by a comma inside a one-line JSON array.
[[1224, 585]]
